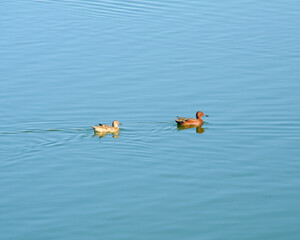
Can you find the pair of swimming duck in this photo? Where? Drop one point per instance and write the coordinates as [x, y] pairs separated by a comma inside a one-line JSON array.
[[181, 121]]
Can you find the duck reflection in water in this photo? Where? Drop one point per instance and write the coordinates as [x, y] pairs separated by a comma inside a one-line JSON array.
[[199, 129], [101, 134]]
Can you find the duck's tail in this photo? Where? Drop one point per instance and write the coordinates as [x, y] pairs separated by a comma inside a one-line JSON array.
[[179, 121]]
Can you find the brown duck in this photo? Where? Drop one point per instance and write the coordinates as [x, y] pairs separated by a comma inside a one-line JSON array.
[[102, 128], [181, 121]]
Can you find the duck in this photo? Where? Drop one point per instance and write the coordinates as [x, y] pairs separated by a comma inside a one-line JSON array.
[[102, 128], [181, 121]]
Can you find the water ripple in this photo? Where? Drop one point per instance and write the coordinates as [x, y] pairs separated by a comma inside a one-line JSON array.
[[133, 10]]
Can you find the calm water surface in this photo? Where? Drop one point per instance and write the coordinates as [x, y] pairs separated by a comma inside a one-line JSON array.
[[69, 64]]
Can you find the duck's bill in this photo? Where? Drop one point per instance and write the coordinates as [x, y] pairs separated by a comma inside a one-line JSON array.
[[120, 124], [205, 115]]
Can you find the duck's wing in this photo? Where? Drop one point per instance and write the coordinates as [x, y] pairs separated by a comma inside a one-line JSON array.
[[181, 119], [103, 125]]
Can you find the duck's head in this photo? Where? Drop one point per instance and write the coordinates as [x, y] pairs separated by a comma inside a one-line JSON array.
[[116, 123], [199, 115]]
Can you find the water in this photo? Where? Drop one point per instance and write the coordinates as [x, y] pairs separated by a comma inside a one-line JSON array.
[[66, 65]]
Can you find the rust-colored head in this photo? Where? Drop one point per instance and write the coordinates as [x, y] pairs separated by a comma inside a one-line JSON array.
[[199, 115]]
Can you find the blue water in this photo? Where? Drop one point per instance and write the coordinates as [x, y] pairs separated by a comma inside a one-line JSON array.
[[69, 64]]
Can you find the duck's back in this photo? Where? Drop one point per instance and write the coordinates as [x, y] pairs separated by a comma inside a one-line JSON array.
[[105, 128], [182, 119], [188, 121]]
